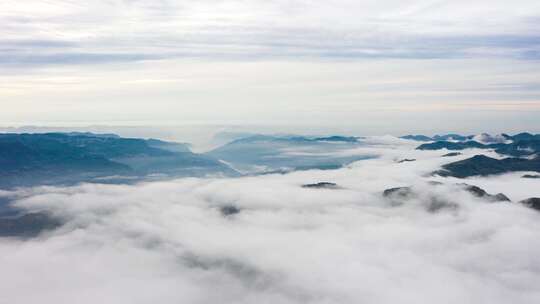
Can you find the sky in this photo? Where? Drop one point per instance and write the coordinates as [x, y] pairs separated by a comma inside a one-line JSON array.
[[359, 66]]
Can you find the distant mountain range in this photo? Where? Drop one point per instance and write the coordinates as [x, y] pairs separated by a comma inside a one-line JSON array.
[[266, 154], [517, 149], [483, 138], [67, 158], [523, 144], [523, 149], [452, 137], [70, 158]]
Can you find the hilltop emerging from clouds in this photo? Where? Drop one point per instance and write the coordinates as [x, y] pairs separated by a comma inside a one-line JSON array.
[[269, 219], [71, 158]]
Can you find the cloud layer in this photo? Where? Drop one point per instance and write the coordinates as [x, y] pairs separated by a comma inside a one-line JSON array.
[[231, 62], [72, 32], [168, 241]]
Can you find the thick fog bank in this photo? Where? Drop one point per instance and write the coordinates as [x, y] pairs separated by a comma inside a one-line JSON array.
[[267, 239]]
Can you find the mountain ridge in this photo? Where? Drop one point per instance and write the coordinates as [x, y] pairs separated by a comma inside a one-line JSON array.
[[60, 158]]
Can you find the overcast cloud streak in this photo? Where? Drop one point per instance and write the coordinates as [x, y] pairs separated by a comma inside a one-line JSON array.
[[146, 62], [73, 32]]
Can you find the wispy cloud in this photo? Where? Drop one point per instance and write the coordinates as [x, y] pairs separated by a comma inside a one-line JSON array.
[[72, 32], [106, 60]]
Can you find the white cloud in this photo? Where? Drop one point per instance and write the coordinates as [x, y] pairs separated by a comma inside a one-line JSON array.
[[167, 241], [117, 31], [244, 62]]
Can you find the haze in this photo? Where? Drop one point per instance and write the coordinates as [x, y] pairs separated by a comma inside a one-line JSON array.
[[352, 64]]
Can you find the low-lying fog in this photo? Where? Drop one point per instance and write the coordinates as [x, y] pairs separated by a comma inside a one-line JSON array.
[[266, 239]]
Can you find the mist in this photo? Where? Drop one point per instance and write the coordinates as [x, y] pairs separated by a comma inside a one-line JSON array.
[[171, 241]]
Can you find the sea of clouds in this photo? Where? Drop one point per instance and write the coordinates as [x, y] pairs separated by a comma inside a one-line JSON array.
[[169, 241]]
